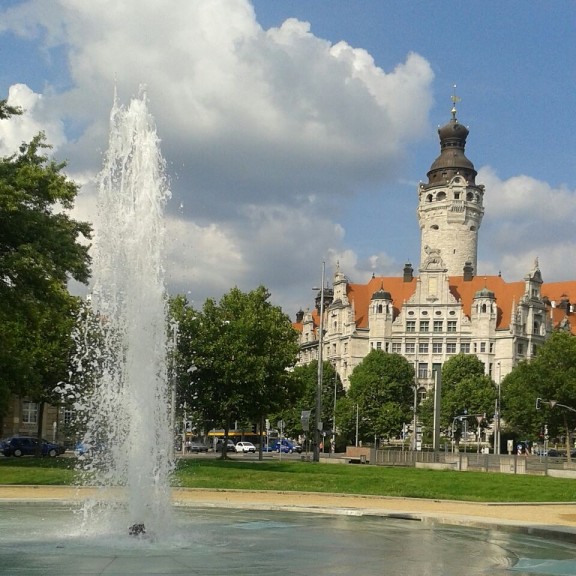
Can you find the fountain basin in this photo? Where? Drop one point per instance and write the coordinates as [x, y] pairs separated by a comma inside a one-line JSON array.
[[48, 539]]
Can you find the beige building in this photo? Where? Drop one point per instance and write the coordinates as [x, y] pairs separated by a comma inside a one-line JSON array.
[[445, 308]]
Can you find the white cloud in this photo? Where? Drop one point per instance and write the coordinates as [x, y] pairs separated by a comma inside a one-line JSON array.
[[34, 118], [526, 218], [263, 130]]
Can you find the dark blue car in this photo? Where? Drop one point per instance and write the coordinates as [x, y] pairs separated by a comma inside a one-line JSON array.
[[27, 445], [287, 447]]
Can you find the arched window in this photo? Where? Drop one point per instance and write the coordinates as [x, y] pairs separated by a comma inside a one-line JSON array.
[[470, 197], [484, 308], [441, 196]]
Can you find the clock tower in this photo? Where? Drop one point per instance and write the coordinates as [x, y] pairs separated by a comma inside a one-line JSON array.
[[450, 204]]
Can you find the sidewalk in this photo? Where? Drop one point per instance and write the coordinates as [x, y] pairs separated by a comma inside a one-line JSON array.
[[543, 519]]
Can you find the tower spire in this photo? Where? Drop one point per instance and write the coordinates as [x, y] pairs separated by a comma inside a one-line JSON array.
[[455, 99]]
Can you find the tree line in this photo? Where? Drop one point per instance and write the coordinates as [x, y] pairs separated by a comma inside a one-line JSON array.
[[235, 359]]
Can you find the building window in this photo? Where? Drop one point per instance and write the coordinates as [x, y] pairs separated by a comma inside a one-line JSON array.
[[437, 347], [423, 348], [410, 325], [475, 347], [378, 345], [396, 348], [451, 326], [520, 348], [438, 325], [450, 347], [68, 417], [424, 325], [482, 346], [29, 412], [410, 347], [491, 347], [422, 370], [465, 347]]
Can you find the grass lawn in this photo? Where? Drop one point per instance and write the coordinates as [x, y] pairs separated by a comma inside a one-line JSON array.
[[309, 477]]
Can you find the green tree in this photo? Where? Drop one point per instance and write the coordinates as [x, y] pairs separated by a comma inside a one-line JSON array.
[[466, 391], [236, 354], [551, 375], [41, 248], [305, 385], [382, 386]]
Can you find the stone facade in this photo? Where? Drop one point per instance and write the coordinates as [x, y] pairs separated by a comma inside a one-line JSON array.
[[447, 308]]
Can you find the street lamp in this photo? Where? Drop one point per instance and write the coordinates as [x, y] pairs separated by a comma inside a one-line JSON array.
[[497, 436], [552, 404], [317, 422], [333, 444]]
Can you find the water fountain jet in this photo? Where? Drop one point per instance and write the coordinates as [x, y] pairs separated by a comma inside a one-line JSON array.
[[128, 410]]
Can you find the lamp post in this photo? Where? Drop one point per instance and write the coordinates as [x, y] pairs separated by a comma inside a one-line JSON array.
[[333, 443], [497, 438], [317, 422], [552, 404]]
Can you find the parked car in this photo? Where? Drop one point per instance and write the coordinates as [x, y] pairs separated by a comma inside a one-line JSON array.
[[245, 447], [27, 445], [196, 447], [287, 446], [230, 447]]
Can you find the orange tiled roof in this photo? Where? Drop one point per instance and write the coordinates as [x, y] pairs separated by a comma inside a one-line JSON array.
[[507, 294]]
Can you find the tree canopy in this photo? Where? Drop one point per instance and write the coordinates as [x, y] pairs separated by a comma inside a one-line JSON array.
[[466, 392], [41, 248], [234, 357], [551, 375], [305, 385], [382, 387]]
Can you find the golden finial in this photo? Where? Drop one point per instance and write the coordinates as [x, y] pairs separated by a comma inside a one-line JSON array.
[[455, 99]]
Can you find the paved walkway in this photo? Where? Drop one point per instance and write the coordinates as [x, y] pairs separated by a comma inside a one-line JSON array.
[[538, 519]]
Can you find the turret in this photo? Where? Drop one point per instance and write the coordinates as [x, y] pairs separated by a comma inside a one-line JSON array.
[[450, 205]]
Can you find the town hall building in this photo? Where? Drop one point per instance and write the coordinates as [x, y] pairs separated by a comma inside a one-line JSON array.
[[444, 307]]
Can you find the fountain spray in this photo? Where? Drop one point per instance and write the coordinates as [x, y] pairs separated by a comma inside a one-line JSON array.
[[129, 430]]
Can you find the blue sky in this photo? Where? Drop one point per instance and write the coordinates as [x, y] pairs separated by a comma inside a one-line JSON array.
[[297, 131]]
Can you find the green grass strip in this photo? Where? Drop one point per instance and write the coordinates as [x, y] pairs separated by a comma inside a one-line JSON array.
[[323, 478]]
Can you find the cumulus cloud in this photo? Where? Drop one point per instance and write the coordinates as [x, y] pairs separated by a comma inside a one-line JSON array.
[[262, 130], [34, 118], [526, 218]]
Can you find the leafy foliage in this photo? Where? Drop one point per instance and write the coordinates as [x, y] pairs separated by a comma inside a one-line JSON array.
[[305, 385], [381, 385], [233, 357], [466, 390], [41, 248], [551, 375]]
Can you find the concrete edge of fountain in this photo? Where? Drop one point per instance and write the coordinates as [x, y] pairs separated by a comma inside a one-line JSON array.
[[485, 515]]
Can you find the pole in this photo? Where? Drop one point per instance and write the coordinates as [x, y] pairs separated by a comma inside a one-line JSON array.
[[316, 455], [357, 411], [173, 390], [497, 439], [415, 419], [414, 441], [437, 406], [333, 444]]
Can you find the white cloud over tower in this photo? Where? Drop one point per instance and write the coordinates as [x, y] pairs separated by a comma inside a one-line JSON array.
[[264, 132]]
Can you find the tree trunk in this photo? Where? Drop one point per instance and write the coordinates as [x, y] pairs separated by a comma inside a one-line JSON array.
[[260, 453], [225, 441], [39, 428]]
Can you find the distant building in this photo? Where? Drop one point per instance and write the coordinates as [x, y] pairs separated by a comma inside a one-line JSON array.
[[22, 420], [446, 308]]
